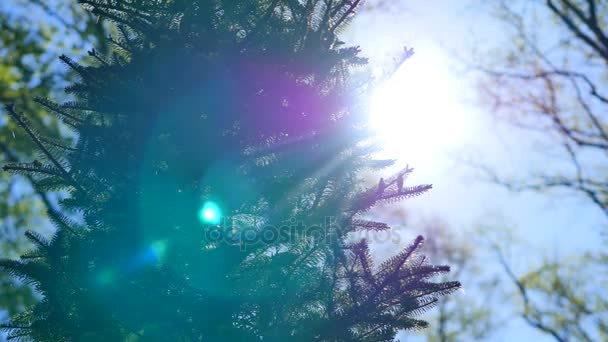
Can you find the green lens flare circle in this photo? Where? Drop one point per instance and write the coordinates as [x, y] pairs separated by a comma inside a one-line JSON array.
[[209, 213]]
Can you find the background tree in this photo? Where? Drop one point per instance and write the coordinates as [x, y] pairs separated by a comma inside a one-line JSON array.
[[242, 112], [29, 68], [551, 82], [558, 299], [470, 314]]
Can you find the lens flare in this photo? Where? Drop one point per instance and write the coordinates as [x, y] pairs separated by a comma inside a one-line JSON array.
[[157, 250], [419, 113], [106, 277], [210, 213]]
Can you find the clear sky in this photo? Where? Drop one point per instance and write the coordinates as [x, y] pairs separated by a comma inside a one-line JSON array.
[[429, 119]]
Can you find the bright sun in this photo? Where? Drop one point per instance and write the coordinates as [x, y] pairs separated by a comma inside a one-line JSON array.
[[417, 113]]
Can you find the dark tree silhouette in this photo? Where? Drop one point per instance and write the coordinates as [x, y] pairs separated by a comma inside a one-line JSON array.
[[217, 171]]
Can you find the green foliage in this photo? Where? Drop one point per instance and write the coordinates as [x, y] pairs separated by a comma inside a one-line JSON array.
[[470, 315], [247, 105], [28, 68], [563, 301], [552, 81]]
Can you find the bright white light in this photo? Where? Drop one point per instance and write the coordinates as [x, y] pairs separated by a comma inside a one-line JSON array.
[[418, 113], [209, 215]]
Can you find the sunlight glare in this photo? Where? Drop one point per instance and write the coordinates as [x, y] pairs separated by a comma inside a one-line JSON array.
[[417, 112], [210, 213]]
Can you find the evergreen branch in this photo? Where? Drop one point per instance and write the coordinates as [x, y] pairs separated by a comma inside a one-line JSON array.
[[302, 259], [387, 270], [56, 144], [119, 6], [141, 25], [77, 106], [124, 33], [422, 308], [11, 326], [353, 5], [57, 110], [53, 214], [441, 289], [32, 255], [41, 146], [373, 195], [30, 168], [17, 335], [361, 251], [79, 69], [395, 263], [18, 269], [407, 192], [262, 20], [37, 239], [118, 44], [370, 225], [93, 53], [424, 271]]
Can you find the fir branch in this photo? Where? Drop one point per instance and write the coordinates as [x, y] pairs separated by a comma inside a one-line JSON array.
[[32, 255], [394, 264], [18, 269], [423, 271], [361, 251], [352, 6], [41, 146], [420, 309], [119, 45], [373, 195], [55, 108], [56, 144], [37, 239], [62, 221], [131, 42], [407, 192], [51, 212], [11, 326], [118, 6], [32, 169], [440, 289], [122, 18], [370, 225], [259, 24], [77, 105], [93, 53]]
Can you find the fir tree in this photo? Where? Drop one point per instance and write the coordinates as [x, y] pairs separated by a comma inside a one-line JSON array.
[[218, 173]]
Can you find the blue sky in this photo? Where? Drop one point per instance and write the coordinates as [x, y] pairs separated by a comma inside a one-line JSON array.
[[444, 35], [442, 32], [435, 29]]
